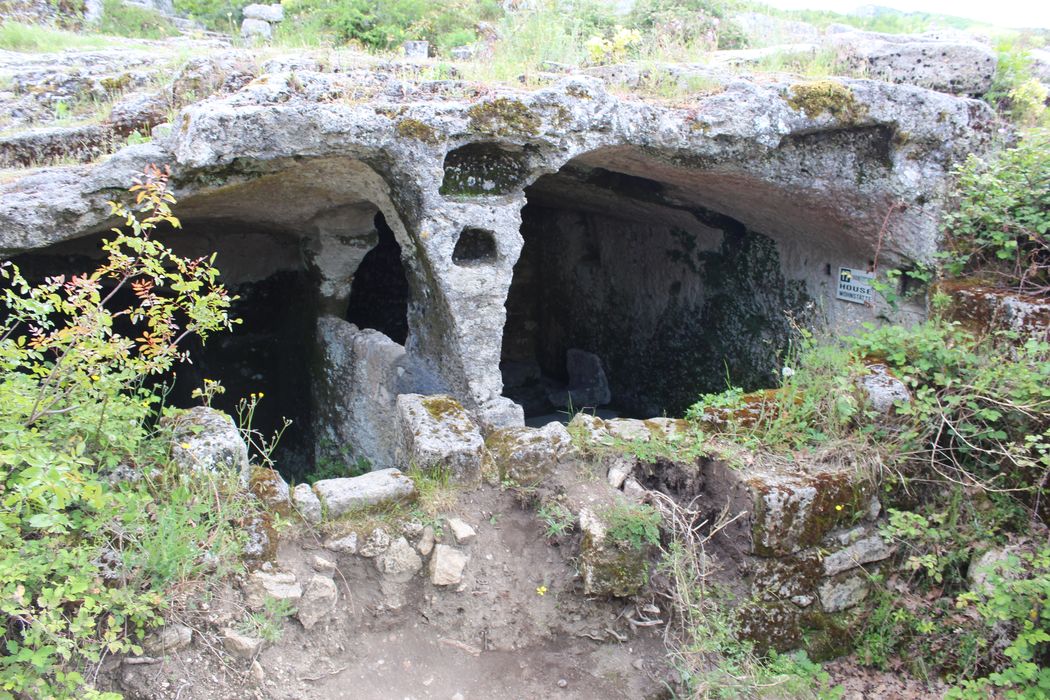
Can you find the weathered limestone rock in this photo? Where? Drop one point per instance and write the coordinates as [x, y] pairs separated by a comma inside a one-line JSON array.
[[984, 309], [140, 112], [606, 567], [446, 565], [346, 543], [436, 433], [343, 495], [267, 13], [791, 507], [426, 541], [241, 645], [280, 585], [318, 601], [991, 563], [836, 596], [416, 49], [461, 531], [167, 639], [399, 562], [864, 551], [256, 29], [621, 467], [628, 429], [528, 455], [375, 544], [882, 389], [44, 146], [307, 504], [958, 67], [205, 440], [591, 430], [269, 487]]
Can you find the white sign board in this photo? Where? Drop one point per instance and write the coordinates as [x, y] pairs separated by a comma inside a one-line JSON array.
[[855, 286]]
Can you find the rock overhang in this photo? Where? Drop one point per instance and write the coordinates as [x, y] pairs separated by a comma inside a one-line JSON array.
[[297, 150]]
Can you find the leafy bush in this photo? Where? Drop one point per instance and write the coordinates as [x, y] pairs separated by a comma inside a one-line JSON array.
[[95, 526], [220, 15], [387, 25], [1001, 219]]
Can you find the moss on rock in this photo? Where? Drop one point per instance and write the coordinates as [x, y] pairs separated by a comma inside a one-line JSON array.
[[819, 96], [503, 117]]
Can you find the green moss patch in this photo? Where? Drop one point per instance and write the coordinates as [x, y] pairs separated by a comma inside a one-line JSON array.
[[820, 96]]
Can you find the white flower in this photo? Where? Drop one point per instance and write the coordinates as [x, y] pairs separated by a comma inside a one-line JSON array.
[[787, 372]]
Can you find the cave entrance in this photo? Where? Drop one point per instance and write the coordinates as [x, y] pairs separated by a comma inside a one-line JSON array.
[[630, 299], [379, 291]]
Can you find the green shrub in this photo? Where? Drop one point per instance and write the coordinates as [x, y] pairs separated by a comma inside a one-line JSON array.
[[1000, 222], [95, 526], [121, 19]]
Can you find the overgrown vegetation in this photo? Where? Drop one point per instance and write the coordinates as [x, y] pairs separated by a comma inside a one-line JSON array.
[[964, 463], [99, 533]]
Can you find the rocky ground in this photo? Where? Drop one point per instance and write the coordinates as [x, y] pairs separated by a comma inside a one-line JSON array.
[[513, 623]]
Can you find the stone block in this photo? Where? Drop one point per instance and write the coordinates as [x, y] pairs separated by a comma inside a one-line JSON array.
[[446, 565], [318, 601], [607, 568], [528, 455], [435, 432], [343, 495], [279, 585], [307, 504]]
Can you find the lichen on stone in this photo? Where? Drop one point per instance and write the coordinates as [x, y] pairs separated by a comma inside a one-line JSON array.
[[440, 407], [819, 96], [503, 116]]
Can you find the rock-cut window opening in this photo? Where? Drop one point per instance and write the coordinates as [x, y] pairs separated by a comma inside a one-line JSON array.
[[626, 300], [475, 246]]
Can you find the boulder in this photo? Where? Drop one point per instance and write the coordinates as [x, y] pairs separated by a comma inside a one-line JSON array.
[[588, 386], [318, 601], [241, 645], [528, 455], [882, 390], [307, 504], [954, 66], [167, 639], [256, 29], [139, 111], [82, 143], [446, 565], [435, 432], [278, 585], [346, 543], [204, 439], [343, 495], [628, 429], [608, 569], [416, 49], [375, 544], [461, 531], [836, 595], [268, 486], [399, 562], [267, 13]]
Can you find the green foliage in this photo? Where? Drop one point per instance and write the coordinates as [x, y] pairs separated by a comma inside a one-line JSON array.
[[1001, 219], [1015, 91], [15, 36], [557, 519], [387, 25], [632, 526], [220, 15], [817, 401], [268, 623], [1016, 595], [121, 19], [706, 21], [336, 461], [710, 655], [95, 527]]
